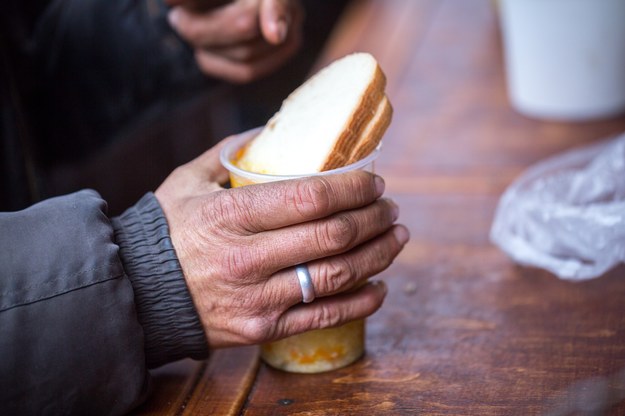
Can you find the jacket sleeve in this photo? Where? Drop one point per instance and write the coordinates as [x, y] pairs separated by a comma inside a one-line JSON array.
[[87, 305]]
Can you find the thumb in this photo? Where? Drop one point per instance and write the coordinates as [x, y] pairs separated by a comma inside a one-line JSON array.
[[208, 165], [275, 20]]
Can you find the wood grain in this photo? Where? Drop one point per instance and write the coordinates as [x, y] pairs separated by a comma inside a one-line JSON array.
[[225, 384], [172, 385], [464, 330], [217, 386]]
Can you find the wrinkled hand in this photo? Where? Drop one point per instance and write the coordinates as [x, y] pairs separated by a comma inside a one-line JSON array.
[[237, 248], [241, 40]]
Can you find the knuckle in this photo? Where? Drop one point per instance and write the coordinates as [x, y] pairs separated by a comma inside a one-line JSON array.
[[334, 276], [247, 25], [220, 209], [309, 197], [180, 171], [319, 193], [229, 210], [326, 318], [337, 234], [192, 32], [256, 330], [238, 264]]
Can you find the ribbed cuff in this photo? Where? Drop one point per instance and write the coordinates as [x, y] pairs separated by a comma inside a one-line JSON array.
[[171, 325]]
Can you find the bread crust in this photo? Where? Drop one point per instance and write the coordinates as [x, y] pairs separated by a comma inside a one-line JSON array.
[[371, 137], [358, 122], [361, 126]]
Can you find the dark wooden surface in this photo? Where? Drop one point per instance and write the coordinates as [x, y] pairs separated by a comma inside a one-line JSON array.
[[464, 330]]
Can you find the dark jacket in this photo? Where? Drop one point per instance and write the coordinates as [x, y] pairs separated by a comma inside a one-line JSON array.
[[88, 303], [77, 79]]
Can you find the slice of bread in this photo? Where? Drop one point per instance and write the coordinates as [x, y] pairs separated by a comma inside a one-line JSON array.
[[335, 118], [371, 136]]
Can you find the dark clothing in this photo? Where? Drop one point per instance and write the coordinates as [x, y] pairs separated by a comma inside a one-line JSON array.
[[88, 303], [73, 74]]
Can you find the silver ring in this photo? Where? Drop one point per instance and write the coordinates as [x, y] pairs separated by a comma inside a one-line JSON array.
[[303, 275]]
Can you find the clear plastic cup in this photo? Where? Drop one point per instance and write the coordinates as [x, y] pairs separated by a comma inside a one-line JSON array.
[[318, 350]]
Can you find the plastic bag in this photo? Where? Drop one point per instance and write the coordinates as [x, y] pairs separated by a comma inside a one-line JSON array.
[[567, 213]]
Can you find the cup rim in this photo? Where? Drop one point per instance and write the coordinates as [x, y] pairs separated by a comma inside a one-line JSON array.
[[235, 143]]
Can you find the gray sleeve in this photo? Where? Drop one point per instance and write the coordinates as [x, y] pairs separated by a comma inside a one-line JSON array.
[[71, 335], [166, 312]]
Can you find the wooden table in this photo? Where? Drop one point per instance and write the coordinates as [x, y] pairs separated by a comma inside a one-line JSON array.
[[463, 330]]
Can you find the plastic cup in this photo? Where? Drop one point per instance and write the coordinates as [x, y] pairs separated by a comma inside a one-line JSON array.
[[317, 350], [565, 59]]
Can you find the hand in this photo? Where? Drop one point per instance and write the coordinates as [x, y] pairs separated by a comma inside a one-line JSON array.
[[241, 40], [237, 248]]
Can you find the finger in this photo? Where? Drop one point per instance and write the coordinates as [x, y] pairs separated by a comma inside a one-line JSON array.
[[325, 237], [227, 25], [215, 65], [203, 173], [256, 257], [336, 274], [332, 311], [275, 18], [252, 209], [207, 166], [345, 272]]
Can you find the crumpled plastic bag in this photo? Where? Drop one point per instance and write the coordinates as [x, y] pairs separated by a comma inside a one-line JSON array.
[[567, 214]]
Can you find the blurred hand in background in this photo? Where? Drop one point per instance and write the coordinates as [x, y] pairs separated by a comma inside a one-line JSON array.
[[239, 41]]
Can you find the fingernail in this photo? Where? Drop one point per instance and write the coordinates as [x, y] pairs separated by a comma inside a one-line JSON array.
[[401, 234], [379, 184], [381, 286], [281, 30], [173, 17], [394, 209]]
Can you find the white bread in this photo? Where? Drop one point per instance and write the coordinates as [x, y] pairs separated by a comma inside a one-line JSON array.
[[335, 118], [373, 132]]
